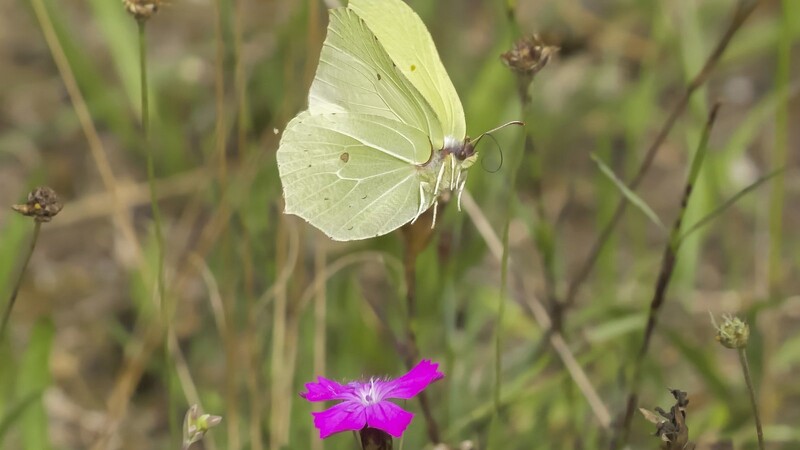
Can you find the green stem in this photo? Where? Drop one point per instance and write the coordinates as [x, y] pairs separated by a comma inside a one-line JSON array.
[[752, 392], [151, 180], [10, 305], [143, 80], [151, 171]]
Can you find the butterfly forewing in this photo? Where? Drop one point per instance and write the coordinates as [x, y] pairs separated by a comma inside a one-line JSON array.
[[337, 178], [355, 74], [409, 44]]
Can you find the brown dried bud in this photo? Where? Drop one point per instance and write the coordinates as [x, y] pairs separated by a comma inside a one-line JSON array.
[[142, 10], [671, 426], [528, 56], [42, 204]]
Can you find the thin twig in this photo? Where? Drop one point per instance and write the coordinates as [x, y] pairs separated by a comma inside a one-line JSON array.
[[668, 263], [743, 10]]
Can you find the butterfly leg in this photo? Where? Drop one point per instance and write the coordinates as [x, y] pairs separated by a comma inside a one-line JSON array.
[[458, 182], [452, 172], [461, 190], [421, 202], [438, 181], [435, 210]]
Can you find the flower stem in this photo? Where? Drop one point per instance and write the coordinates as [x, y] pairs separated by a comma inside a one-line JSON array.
[[411, 348], [751, 390], [151, 171], [7, 313], [151, 180]]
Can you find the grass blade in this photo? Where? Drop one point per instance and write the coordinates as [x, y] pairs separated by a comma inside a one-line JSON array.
[[727, 204], [16, 411], [628, 193], [34, 376]]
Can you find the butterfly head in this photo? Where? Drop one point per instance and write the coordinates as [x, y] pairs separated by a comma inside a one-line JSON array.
[[462, 150]]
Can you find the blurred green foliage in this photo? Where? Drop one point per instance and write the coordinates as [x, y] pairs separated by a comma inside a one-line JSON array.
[[622, 65]]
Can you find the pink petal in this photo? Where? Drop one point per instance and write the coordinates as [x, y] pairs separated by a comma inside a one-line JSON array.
[[326, 390], [388, 417], [414, 381], [345, 416]]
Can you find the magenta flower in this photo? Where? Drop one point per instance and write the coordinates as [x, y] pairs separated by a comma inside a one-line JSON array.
[[365, 403]]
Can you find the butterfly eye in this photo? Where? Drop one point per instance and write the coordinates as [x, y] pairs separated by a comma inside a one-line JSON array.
[[465, 151]]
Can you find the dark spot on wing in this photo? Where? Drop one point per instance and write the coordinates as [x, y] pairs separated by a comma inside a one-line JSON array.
[[309, 165], [364, 197], [413, 67], [326, 199], [345, 157], [379, 77]]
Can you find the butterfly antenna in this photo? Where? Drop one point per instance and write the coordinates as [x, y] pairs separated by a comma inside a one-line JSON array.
[[513, 122], [500, 150]]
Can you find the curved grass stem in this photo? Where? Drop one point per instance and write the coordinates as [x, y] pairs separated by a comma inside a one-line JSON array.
[[10, 305]]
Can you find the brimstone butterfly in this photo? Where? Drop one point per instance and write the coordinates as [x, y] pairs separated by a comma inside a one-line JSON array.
[[384, 134]]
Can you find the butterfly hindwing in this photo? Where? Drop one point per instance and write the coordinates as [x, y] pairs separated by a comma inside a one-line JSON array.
[[338, 176]]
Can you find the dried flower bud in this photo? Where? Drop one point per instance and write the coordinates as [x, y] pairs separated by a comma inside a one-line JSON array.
[[195, 425], [42, 204], [142, 10], [528, 56], [671, 426], [733, 333]]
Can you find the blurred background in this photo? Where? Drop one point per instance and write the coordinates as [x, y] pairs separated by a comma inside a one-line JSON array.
[[258, 303]]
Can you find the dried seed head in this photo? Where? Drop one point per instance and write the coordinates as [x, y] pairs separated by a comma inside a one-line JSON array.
[[733, 333], [142, 10], [42, 204], [528, 56]]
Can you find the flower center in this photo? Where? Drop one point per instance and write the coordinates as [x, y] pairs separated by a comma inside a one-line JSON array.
[[369, 393]]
